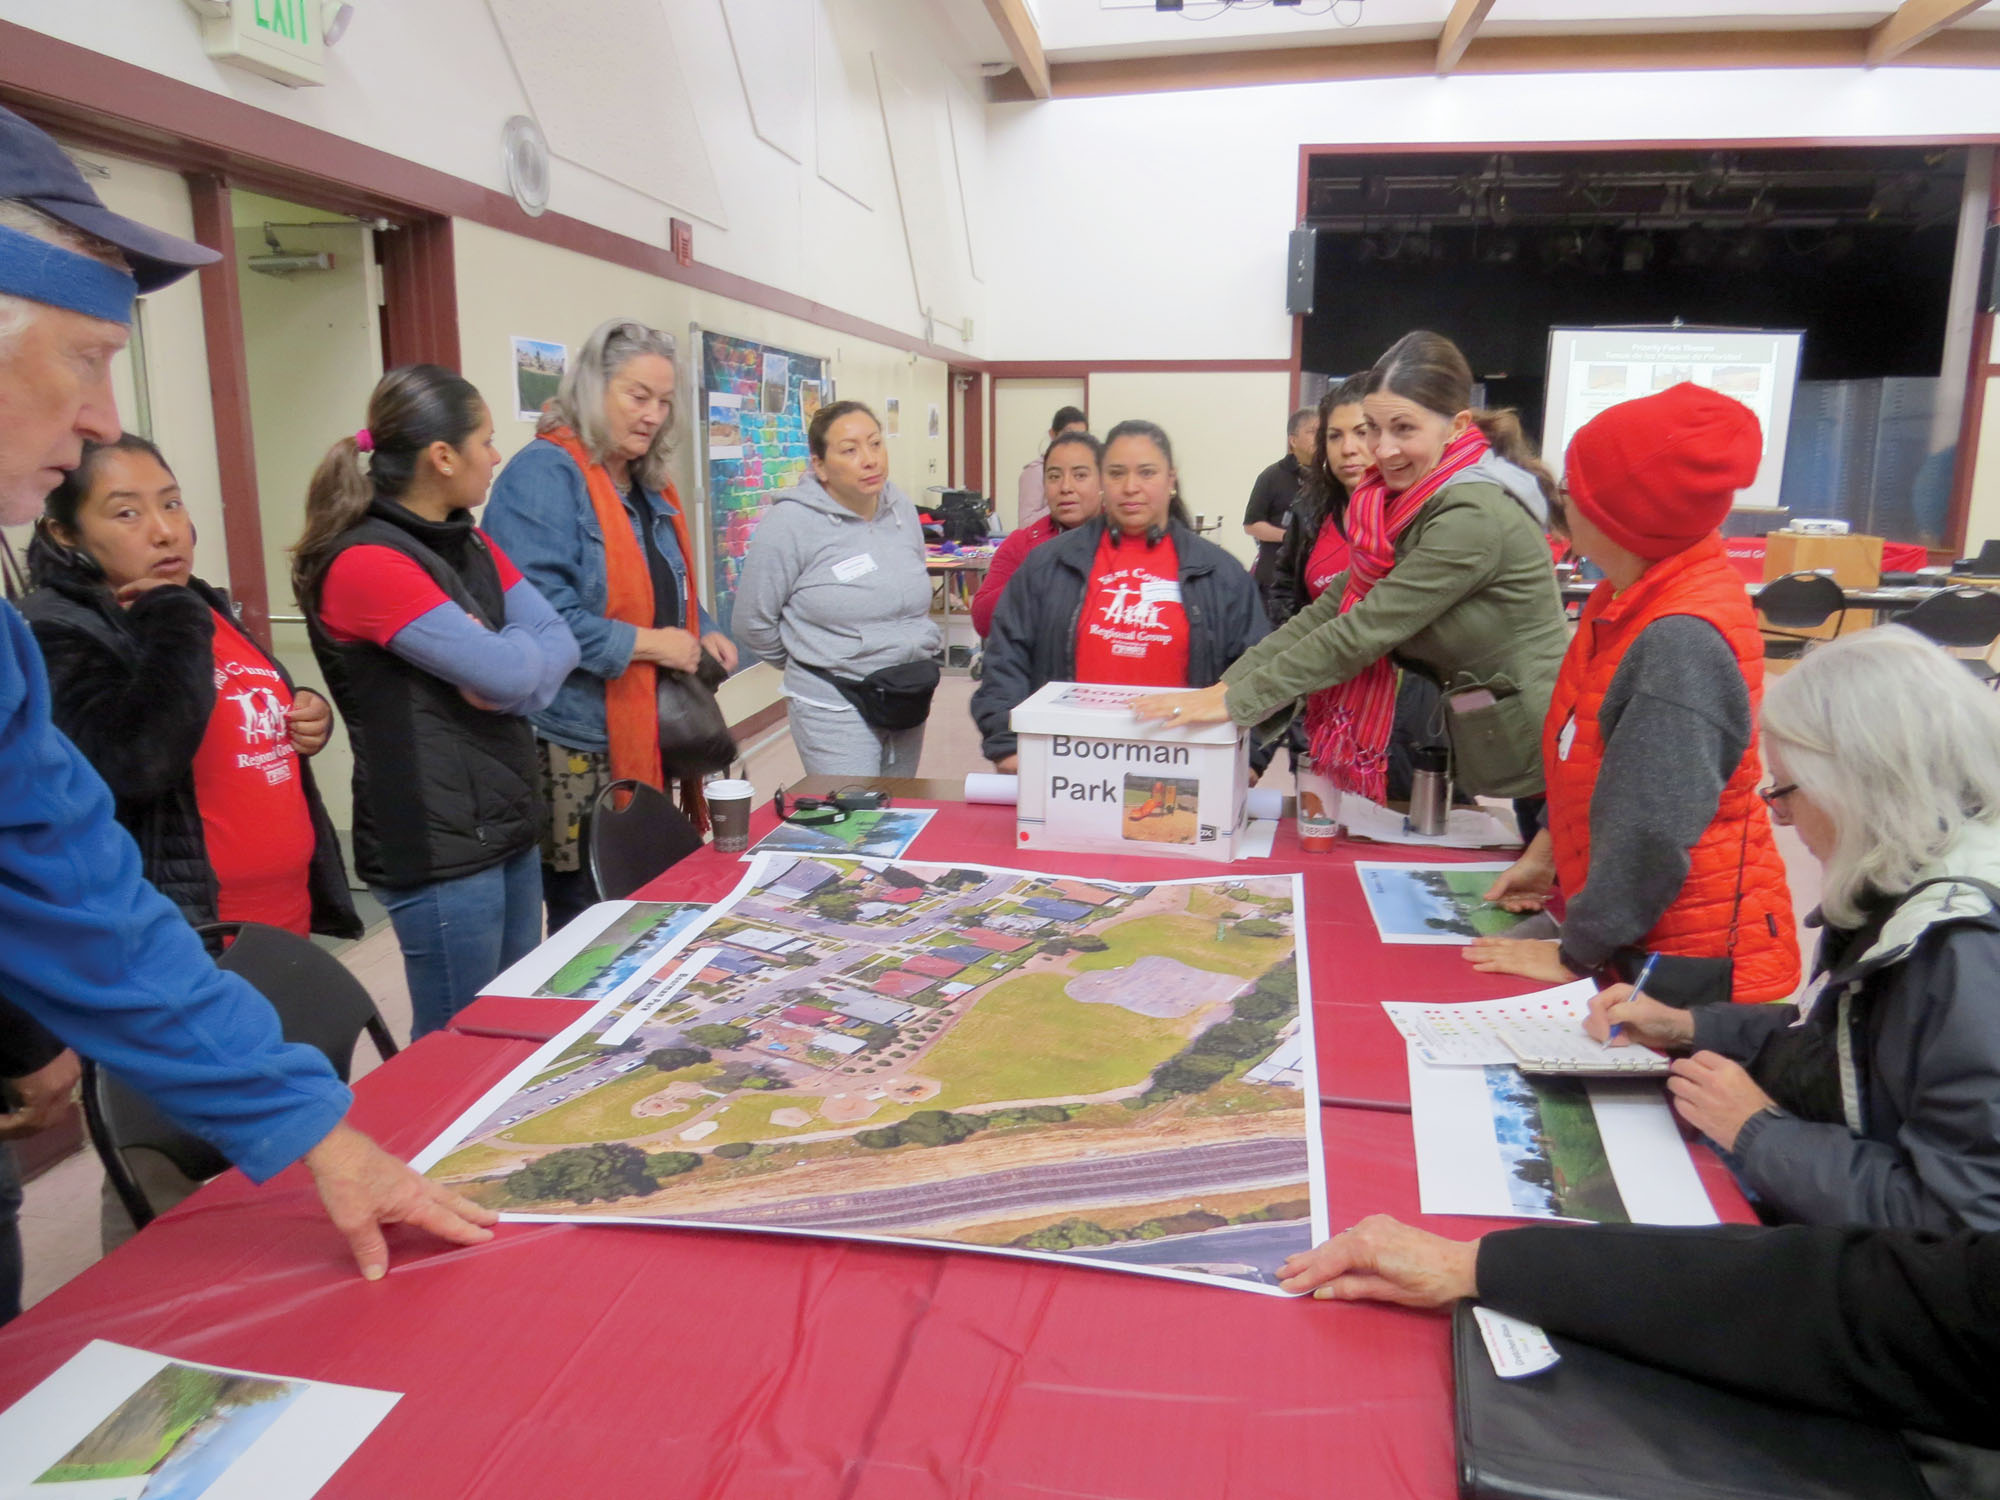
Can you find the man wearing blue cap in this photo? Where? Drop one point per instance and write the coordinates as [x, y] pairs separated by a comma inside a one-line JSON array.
[[87, 948]]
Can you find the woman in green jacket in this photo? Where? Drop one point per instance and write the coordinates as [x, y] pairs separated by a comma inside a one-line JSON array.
[[1450, 577]]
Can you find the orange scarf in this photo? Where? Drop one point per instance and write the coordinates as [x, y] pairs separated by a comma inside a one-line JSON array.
[[631, 699]]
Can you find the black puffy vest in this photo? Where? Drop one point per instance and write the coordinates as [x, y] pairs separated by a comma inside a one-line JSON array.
[[441, 789]]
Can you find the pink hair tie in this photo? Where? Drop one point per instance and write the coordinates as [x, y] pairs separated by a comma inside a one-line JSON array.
[[365, 440]]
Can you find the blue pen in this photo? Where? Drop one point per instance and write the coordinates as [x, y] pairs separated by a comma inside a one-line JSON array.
[[1638, 989]]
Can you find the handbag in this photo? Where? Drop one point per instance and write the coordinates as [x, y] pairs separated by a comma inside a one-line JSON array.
[[694, 737], [892, 698]]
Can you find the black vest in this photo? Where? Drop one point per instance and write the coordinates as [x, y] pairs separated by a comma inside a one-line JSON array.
[[441, 789]]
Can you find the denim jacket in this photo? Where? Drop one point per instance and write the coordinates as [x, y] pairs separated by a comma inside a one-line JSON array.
[[540, 514]]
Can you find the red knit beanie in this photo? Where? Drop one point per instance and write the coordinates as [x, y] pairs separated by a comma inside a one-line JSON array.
[[1658, 474]]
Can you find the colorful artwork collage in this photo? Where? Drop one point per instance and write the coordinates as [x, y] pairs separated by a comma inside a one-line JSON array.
[[757, 401]]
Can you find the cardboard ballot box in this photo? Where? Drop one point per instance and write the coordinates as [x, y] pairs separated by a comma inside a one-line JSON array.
[[1093, 777]]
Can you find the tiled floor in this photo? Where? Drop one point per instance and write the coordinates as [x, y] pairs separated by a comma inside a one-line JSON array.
[[59, 1224]]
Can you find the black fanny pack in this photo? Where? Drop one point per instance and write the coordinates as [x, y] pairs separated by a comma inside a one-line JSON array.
[[892, 699]]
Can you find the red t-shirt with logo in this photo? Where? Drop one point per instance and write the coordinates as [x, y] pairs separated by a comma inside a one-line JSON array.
[[1328, 561], [1133, 630], [246, 782]]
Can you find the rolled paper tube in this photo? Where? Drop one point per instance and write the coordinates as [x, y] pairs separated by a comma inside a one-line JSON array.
[[984, 786], [1265, 802]]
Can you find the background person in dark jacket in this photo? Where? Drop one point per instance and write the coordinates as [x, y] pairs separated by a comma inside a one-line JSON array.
[[1881, 1105], [1895, 1327], [1133, 597], [435, 648], [195, 729], [1073, 485], [1275, 492]]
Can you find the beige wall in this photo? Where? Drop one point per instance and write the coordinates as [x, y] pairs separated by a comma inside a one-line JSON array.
[[312, 342], [508, 285], [1021, 412], [1226, 427]]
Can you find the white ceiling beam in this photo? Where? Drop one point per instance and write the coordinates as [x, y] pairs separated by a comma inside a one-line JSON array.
[[1912, 22], [1017, 28], [1459, 29]]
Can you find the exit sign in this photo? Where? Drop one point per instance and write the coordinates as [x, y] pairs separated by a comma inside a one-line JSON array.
[[281, 39]]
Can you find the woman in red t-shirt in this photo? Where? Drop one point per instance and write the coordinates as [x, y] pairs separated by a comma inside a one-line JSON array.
[[198, 732], [1134, 597]]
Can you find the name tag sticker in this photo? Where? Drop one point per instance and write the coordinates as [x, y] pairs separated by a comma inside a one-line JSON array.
[[1160, 591], [858, 566], [1565, 740], [1516, 1348]]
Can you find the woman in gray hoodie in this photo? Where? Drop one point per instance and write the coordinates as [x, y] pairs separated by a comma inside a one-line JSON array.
[[834, 590]]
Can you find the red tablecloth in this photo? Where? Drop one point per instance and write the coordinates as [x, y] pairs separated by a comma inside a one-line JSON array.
[[615, 1361], [610, 1361]]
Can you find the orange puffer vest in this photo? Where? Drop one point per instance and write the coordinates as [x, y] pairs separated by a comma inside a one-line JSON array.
[[1735, 903]]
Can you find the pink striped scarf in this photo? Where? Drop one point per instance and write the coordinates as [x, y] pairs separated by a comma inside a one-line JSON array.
[[1348, 724]]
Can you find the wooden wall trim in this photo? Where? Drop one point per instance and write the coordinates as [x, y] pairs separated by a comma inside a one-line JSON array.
[[1589, 52], [229, 385], [1911, 23], [1071, 369], [118, 107], [420, 294], [1980, 370]]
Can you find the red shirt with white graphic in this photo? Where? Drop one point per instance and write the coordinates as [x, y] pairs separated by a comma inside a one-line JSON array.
[[1328, 561], [246, 782], [1133, 630]]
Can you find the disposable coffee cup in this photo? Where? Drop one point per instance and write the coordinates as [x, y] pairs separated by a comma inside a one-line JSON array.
[[729, 814], [1319, 810]]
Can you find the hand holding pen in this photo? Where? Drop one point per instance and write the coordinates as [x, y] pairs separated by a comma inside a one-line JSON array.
[[1625, 1013]]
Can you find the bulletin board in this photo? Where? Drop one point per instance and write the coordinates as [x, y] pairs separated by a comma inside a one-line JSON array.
[[756, 400]]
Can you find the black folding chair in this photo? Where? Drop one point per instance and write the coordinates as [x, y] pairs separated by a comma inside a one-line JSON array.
[[319, 1003], [626, 847], [1796, 603], [1961, 619]]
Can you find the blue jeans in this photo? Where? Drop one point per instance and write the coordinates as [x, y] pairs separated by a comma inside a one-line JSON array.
[[457, 934]]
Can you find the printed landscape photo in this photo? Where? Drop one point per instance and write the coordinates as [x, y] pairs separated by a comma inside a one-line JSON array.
[[172, 1438], [1435, 903], [962, 1055], [1550, 1145]]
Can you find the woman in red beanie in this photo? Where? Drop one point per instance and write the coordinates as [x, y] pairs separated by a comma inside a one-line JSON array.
[[1655, 833]]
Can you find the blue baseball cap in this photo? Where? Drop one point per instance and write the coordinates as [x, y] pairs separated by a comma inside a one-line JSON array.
[[35, 170]]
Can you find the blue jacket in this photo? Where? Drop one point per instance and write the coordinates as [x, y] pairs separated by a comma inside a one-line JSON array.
[[541, 516], [109, 965]]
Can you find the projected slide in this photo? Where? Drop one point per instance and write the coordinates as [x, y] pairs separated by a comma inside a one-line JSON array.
[[1593, 369]]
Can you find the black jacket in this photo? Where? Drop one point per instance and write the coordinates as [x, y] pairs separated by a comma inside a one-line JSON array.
[[441, 789], [1908, 1133], [1312, 510], [1894, 1326], [1033, 641], [134, 689]]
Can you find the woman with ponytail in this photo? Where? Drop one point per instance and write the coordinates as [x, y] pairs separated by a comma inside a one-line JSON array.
[[1449, 577], [434, 648], [589, 512]]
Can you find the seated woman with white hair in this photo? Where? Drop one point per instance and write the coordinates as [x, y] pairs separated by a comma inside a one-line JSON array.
[[1875, 1099]]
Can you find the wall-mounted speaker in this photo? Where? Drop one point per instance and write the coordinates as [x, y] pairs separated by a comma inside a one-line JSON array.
[[1989, 272], [1299, 261]]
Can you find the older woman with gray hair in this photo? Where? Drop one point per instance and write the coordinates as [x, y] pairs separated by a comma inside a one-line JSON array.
[[1876, 1098], [588, 514]]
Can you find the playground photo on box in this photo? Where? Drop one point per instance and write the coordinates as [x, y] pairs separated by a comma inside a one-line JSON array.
[[1161, 809], [1435, 903]]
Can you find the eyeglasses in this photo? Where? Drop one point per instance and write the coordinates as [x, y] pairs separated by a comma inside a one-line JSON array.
[[1773, 795]]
